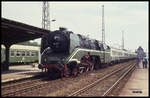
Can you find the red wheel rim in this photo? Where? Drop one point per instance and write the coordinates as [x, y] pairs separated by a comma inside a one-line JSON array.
[[87, 69], [92, 67], [75, 71], [81, 71]]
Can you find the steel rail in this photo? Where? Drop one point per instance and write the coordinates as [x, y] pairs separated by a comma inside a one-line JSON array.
[[95, 82], [33, 83], [121, 78], [18, 84], [24, 89]]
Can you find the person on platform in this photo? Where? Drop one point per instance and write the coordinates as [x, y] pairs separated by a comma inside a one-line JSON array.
[[138, 62], [144, 63]]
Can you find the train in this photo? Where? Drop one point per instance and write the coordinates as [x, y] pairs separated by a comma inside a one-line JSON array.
[[21, 54], [64, 53]]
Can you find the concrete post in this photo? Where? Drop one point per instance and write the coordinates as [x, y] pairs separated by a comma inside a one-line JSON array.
[[6, 64]]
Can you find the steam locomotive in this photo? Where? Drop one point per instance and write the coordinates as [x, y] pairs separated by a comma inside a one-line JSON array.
[[64, 53]]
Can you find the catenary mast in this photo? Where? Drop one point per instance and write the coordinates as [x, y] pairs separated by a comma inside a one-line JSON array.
[[103, 29], [103, 25], [45, 21], [45, 16]]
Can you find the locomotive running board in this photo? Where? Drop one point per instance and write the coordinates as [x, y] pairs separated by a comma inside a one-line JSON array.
[[79, 49]]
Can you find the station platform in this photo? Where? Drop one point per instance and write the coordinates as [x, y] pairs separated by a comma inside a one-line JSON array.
[[138, 83], [19, 72]]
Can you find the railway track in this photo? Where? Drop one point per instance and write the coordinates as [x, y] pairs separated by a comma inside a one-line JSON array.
[[110, 89], [73, 85], [66, 86], [89, 89], [21, 86]]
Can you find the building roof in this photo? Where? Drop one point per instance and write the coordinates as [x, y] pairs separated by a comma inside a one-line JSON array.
[[14, 32]]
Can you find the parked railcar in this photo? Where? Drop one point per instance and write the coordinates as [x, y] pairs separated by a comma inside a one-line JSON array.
[[21, 54]]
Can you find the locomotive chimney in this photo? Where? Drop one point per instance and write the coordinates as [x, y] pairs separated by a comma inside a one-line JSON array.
[[62, 29]]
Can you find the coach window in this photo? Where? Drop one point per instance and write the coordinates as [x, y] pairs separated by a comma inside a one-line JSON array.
[[27, 53], [32, 53], [18, 53], [12, 53], [23, 53]]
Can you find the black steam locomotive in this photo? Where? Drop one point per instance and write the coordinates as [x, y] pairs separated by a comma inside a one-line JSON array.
[[64, 53]]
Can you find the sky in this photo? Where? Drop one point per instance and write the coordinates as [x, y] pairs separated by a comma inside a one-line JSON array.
[[86, 18]]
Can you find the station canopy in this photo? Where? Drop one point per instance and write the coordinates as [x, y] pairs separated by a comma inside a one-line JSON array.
[[14, 32]]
